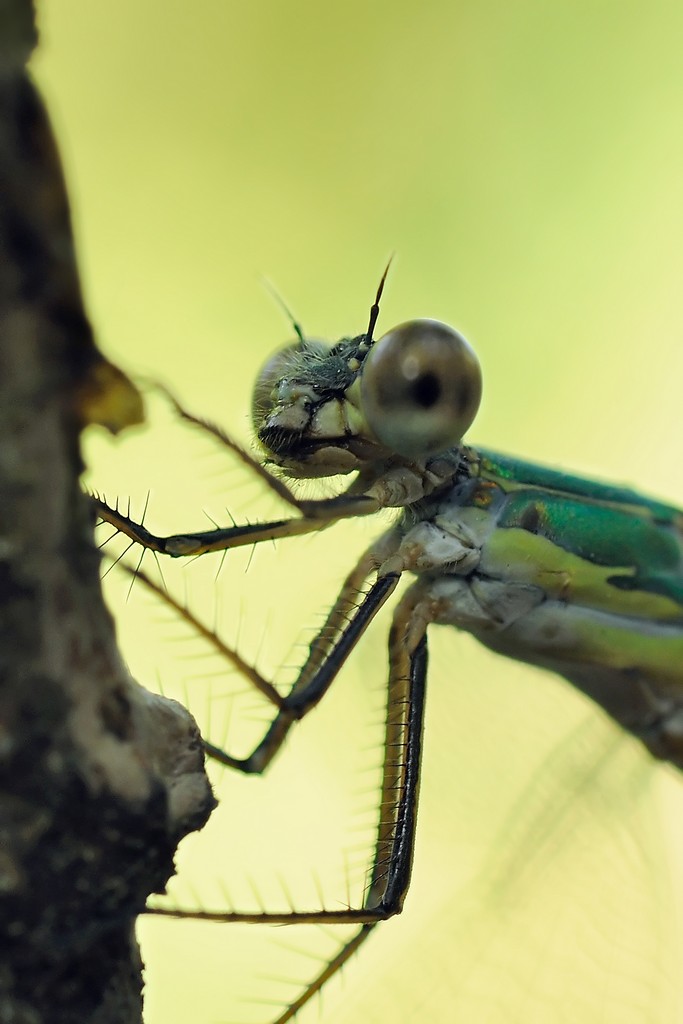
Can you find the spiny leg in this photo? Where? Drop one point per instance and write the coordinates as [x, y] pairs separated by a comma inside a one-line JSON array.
[[392, 862], [332, 967], [402, 754], [307, 692], [345, 604], [313, 513], [344, 626]]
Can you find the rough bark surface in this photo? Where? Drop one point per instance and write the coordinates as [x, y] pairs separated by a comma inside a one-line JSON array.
[[98, 778]]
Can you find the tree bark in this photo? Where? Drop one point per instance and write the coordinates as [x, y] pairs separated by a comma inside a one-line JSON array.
[[99, 779]]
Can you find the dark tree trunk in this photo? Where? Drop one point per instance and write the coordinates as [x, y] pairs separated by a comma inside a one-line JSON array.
[[99, 779]]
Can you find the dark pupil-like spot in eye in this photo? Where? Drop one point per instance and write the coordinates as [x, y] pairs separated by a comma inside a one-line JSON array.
[[426, 390]]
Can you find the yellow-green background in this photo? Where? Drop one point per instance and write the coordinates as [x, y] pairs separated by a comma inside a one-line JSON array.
[[525, 161]]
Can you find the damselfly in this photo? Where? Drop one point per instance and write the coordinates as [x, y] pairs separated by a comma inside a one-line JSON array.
[[568, 574]]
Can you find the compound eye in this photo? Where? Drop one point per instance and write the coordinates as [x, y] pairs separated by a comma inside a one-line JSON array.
[[287, 362], [420, 388]]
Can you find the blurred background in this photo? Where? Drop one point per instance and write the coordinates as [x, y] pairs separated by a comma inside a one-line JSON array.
[[525, 162]]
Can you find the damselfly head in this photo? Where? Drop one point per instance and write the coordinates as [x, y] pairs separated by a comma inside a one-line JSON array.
[[320, 410]]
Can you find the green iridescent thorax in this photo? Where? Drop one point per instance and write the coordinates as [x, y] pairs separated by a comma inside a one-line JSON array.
[[568, 574], [619, 550]]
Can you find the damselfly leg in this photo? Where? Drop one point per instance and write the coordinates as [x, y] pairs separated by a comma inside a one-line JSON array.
[[571, 575], [393, 853]]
